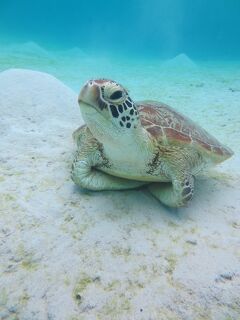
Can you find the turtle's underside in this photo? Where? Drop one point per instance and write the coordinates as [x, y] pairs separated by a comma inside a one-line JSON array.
[[126, 144]]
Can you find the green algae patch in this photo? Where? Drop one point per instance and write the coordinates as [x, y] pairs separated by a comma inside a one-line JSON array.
[[26, 258], [75, 228], [82, 285], [172, 262], [164, 313], [112, 217], [7, 197], [3, 297], [113, 285], [7, 201], [29, 265], [66, 281], [24, 299], [119, 251], [173, 224], [80, 317], [194, 230], [118, 306], [236, 224]]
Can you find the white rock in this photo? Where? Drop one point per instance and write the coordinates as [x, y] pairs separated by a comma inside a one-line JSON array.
[[39, 95], [25, 50], [180, 61]]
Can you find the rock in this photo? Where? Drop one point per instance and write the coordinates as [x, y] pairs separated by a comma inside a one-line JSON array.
[[225, 276], [193, 242], [36, 97], [26, 50], [181, 61], [78, 296], [13, 309]]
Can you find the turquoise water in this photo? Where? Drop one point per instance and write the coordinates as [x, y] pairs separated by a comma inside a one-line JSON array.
[[155, 28]]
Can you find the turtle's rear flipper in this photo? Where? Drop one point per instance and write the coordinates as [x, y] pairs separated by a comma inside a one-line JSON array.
[[175, 194]]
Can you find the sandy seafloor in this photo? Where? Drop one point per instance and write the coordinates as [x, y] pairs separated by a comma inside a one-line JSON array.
[[71, 254]]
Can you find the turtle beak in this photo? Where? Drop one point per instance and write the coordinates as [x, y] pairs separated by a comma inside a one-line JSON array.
[[89, 94]]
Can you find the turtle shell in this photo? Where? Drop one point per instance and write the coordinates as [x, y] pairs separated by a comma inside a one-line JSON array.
[[169, 127]]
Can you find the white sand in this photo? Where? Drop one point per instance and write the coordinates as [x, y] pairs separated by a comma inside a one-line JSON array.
[[68, 254]]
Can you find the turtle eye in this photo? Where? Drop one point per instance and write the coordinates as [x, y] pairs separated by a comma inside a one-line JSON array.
[[116, 95]]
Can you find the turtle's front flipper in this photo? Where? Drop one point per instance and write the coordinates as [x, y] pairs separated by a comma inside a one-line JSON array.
[[86, 176], [175, 194], [87, 160]]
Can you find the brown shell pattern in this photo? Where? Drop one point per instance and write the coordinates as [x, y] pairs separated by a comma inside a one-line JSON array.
[[170, 127]]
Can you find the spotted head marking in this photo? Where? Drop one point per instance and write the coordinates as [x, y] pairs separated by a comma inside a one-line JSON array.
[[112, 101]]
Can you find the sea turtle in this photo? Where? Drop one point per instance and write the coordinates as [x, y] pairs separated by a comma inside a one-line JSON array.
[[127, 144]]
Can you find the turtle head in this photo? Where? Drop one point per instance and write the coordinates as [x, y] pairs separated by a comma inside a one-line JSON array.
[[106, 106]]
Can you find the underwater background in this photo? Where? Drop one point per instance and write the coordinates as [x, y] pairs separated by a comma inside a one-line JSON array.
[[137, 28]]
